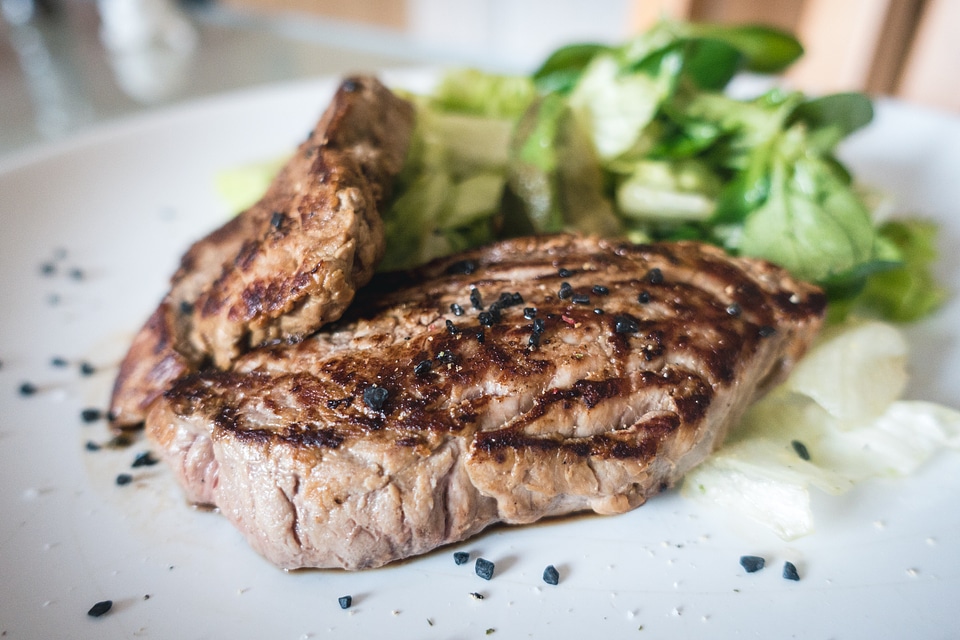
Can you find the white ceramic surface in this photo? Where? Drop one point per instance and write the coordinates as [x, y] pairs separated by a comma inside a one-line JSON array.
[[121, 204]]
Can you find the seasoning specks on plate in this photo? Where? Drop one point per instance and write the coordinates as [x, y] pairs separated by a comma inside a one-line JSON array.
[[484, 568], [100, 608]]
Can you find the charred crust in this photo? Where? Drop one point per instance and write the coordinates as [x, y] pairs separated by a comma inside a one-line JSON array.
[[640, 443]]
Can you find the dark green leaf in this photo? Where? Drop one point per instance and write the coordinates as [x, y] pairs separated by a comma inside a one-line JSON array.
[[846, 112], [766, 49], [711, 64], [563, 67], [740, 196]]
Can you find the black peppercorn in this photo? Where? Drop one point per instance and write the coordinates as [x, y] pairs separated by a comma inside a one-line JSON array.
[[475, 299], [423, 367], [375, 397], [752, 564], [551, 575], [484, 568], [625, 324], [100, 608], [790, 571]]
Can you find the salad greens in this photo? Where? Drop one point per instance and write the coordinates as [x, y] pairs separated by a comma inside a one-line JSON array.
[[640, 140]]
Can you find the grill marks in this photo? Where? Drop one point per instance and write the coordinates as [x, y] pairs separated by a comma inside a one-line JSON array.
[[686, 343], [418, 422]]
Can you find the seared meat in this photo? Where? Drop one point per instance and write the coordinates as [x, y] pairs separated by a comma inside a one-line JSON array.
[[287, 265], [576, 374]]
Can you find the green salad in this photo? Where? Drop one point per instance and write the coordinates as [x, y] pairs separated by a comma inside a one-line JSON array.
[[642, 141]]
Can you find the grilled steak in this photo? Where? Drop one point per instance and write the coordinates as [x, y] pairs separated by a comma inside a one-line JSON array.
[[289, 264], [532, 378]]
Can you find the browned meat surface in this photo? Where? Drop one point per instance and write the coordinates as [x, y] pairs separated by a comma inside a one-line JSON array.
[[289, 264], [410, 424]]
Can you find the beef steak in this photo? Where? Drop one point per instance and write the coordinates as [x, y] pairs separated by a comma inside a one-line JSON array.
[[531, 378]]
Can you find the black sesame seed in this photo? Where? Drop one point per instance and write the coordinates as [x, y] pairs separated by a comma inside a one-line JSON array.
[[87, 369], [600, 290], [475, 299], [486, 318], [92, 446], [766, 331], [456, 309], [484, 568], [462, 267], [790, 571], [144, 459], [423, 367], [452, 329], [277, 219], [124, 478], [625, 324], [28, 389], [100, 608], [186, 308], [375, 397], [801, 449], [539, 324], [565, 291], [598, 311], [655, 276], [530, 313], [580, 298], [752, 564], [564, 273], [551, 575], [734, 309], [461, 557], [643, 298], [534, 340], [91, 415], [446, 357], [345, 601], [516, 298], [495, 312], [476, 596], [481, 335], [350, 86]]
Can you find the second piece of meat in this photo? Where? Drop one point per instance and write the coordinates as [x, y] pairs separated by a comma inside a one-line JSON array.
[[289, 264]]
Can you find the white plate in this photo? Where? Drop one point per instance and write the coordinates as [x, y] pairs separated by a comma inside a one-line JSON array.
[[122, 204]]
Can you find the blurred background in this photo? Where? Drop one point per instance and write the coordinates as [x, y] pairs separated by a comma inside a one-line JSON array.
[[68, 64]]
